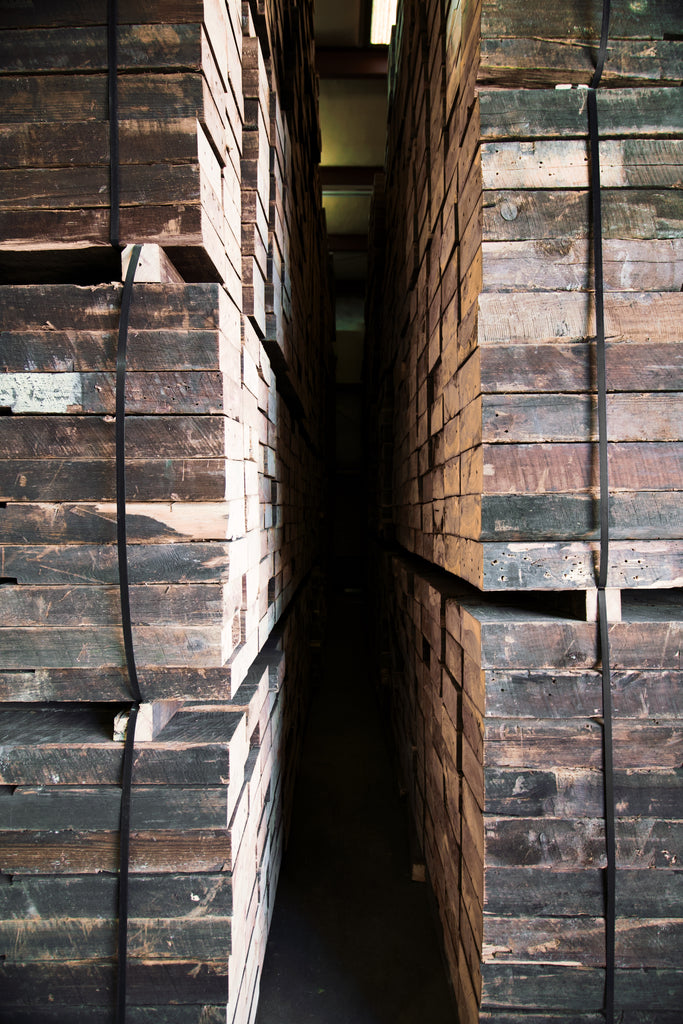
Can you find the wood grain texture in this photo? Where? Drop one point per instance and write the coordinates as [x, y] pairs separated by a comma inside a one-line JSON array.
[[576, 988], [181, 982]]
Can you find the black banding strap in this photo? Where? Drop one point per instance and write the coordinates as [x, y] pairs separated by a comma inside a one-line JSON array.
[[121, 539], [602, 52], [603, 625], [113, 93]]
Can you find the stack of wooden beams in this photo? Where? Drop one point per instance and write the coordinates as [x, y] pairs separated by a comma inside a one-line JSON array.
[[225, 502], [180, 123], [482, 314], [490, 348], [498, 710]]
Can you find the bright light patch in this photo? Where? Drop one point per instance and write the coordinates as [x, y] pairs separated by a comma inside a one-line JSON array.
[[383, 17]]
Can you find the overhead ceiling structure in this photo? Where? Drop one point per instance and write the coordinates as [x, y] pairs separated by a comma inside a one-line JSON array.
[[353, 113]]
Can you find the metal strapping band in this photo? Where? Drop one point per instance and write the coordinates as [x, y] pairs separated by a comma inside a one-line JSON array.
[[603, 625], [121, 540]]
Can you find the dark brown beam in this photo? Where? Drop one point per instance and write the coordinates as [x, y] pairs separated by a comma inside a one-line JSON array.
[[365, 21], [347, 243], [348, 177], [351, 61]]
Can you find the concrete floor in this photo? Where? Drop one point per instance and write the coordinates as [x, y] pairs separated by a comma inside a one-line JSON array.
[[353, 939]]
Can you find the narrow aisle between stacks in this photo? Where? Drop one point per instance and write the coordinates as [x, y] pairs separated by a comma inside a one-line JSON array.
[[352, 939]]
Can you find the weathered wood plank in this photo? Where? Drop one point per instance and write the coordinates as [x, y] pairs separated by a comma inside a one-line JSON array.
[[550, 163], [558, 418], [579, 792], [542, 62], [162, 479], [640, 515], [191, 604], [642, 843], [551, 264], [82, 939], [73, 852], [88, 1014], [578, 988], [636, 694], [193, 392], [84, 48], [511, 638], [65, 188], [82, 523], [110, 683], [522, 113], [576, 1017], [505, 18], [37, 13], [64, 307], [93, 437], [515, 215], [549, 565], [73, 97], [82, 350], [575, 743], [538, 892], [58, 144], [92, 563], [74, 12], [94, 896], [655, 943], [97, 763], [572, 467], [93, 647], [190, 981], [565, 317]]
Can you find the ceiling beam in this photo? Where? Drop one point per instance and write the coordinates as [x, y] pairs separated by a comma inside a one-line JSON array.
[[365, 21], [351, 61], [347, 243], [352, 177]]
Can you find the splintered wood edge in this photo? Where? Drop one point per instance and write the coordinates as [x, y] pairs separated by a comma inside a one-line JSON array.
[[152, 717]]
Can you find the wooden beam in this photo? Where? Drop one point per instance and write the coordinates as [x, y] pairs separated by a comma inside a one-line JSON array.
[[361, 178], [347, 243], [351, 61]]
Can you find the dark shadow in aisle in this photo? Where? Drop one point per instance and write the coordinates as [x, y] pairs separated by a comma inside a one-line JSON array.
[[353, 940]]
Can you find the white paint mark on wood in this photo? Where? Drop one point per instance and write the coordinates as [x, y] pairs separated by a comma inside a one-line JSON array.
[[41, 392]]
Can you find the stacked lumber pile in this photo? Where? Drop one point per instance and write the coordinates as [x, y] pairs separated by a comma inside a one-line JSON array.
[[210, 807], [481, 313], [225, 500], [490, 280], [496, 711], [180, 124]]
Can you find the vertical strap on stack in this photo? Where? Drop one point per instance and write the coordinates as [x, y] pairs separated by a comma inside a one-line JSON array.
[[121, 534], [121, 539], [603, 625]]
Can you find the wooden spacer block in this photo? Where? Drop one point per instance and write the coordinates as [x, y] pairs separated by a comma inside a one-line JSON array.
[[154, 266], [152, 718], [613, 599]]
